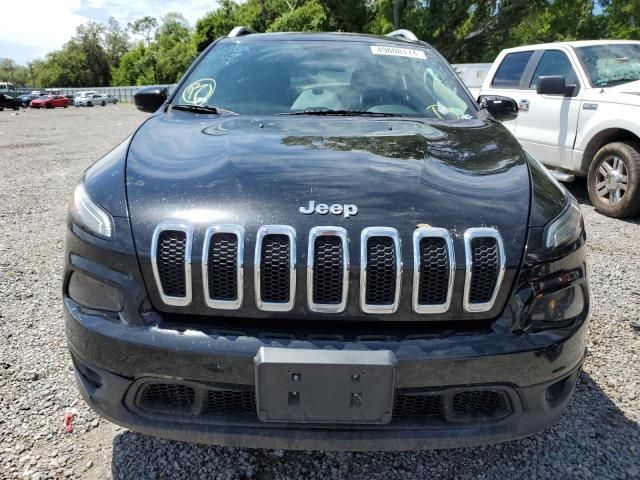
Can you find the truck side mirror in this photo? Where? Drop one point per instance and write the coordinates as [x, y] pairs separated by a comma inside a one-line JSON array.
[[149, 99], [501, 108], [553, 85]]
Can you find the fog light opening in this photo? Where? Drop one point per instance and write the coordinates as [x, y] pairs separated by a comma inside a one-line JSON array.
[[559, 390], [94, 294]]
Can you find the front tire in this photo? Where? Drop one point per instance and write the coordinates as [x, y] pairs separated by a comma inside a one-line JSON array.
[[103, 103], [613, 181]]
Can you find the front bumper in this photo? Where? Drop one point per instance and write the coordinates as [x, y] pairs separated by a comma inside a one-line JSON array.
[[536, 372]]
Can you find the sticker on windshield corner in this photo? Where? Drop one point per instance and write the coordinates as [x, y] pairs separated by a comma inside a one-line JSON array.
[[199, 92], [397, 52]]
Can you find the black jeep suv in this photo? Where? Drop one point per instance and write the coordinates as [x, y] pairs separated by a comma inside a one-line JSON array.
[[320, 241]]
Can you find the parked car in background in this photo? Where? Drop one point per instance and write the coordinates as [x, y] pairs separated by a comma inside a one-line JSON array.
[[90, 99], [6, 87], [112, 99], [25, 99], [579, 106], [7, 101], [50, 101]]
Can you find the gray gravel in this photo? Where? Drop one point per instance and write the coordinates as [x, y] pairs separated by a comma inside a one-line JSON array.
[[42, 154]]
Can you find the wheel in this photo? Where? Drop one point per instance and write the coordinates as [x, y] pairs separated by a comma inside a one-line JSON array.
[[1, 109], [115, 101], [614, 179], [16, 107], [89, 104], [103, 103], [65, 105]]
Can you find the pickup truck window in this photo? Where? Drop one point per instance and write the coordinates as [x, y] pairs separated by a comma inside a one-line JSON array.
[[511, 69], [613, 64], [554, 62]]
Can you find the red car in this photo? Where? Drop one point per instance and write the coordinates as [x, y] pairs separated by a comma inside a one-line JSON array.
[[50, 101]]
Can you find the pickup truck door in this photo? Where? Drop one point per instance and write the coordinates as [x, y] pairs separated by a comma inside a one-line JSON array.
[[507, 79], [547, 124]]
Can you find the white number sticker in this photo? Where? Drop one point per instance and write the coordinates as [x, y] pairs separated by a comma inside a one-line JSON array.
[[397, 52]]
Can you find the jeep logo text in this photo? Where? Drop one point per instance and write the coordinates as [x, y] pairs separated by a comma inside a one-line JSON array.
[[346, 210]]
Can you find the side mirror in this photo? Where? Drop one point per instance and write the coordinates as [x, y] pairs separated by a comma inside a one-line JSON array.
[[501, 108], [552, 85], [149, 99]]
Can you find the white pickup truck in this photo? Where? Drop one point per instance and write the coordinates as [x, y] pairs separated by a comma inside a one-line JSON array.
[[579, 113]]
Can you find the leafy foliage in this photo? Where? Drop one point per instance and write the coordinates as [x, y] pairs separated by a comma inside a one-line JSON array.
[[151, 50]]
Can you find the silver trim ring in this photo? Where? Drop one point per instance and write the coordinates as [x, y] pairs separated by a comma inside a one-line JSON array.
[[341, 233], [238, 231], [173, 227], [418, 235], [366, 234], [469, 235], [275, 230]]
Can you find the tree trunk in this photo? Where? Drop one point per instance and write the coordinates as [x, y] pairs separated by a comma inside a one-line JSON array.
[[396, 14]]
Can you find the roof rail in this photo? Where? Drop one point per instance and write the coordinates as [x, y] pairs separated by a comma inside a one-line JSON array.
[[405, 34], [240, 31]]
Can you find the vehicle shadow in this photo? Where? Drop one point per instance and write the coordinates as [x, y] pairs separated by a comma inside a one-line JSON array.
[[592, 439], [578, 189]]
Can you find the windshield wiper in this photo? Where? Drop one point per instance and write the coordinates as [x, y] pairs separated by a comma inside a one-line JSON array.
[[202, 109], [345, 113], [617, 81]]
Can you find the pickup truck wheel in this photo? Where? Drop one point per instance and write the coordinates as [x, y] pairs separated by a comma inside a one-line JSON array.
[[614, 180]]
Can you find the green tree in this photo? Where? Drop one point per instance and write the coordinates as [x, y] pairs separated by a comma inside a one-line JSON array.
[[310, 16], [145, 26]]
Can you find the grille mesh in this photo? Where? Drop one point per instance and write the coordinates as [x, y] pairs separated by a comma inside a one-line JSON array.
[[417, 406], [381, 271], [180, 400], [434, 271], [480, 403], [484, 269], [171, 262], [225, 401], [222, 267], [327, 270], [275, 269], [167, 397]]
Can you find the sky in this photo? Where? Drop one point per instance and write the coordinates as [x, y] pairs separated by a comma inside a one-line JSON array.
[[51, 23]]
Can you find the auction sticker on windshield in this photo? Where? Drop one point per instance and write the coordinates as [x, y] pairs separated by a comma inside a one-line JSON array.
[[398, 52], [198, 92]]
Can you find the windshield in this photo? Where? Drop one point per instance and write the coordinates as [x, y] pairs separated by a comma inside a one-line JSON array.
[[610, 65], [305, 75]]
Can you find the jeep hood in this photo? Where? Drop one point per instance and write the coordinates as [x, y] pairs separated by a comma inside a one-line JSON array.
[[399, 173]]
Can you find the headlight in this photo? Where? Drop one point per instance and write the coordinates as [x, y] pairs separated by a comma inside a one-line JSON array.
[[89, 215], [566, 228]]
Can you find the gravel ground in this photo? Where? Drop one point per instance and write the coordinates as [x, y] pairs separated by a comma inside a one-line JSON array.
[[42, 154]]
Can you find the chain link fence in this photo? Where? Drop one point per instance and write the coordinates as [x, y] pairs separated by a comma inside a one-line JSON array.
[[123, 94]]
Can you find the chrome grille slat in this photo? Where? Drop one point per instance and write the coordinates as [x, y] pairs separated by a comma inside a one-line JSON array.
[[493, 269], [181, 264], [446, 268], [275, 267], [392, 289], [222, 263], [324, 273]]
